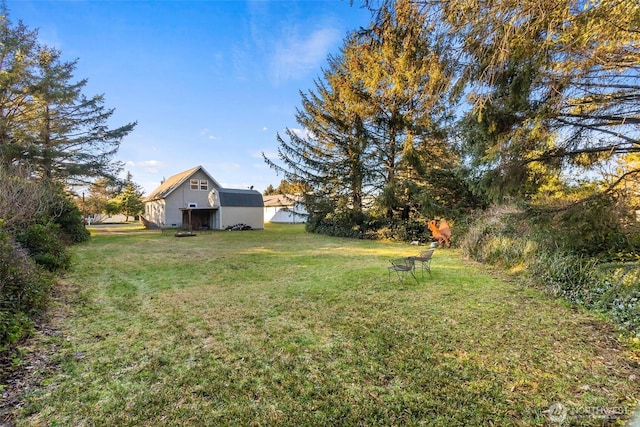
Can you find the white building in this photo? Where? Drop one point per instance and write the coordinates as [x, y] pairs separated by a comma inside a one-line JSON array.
[[284, 208]]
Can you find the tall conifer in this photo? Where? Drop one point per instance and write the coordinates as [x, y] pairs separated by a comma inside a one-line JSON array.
[[46, 122]]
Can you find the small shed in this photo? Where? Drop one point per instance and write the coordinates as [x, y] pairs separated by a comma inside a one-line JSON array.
[[194, 200]]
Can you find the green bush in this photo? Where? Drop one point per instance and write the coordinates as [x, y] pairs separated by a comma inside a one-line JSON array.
[[24, 291], [595, 226], [401, 230], [622, 295], [335, 228], [573, 277], [69, 218], [45, 246], [495, 237], [558, 262]]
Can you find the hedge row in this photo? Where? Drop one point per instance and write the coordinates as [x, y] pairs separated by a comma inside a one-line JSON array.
[[505, 237]]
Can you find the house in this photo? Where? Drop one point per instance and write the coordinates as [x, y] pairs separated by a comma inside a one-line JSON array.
[[193, 200], [284, 208]]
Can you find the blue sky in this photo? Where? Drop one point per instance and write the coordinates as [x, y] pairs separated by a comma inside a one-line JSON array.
[[209, 82]]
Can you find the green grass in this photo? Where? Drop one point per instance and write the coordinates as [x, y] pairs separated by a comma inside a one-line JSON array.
[[279, 327]]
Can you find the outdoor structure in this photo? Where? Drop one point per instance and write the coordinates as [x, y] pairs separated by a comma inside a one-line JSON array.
[[193, 200], [284, 208]]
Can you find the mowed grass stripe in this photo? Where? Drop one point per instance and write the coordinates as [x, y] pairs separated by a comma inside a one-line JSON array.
[[280, 327]]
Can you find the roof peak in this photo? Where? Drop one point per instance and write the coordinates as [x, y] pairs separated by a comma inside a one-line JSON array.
[[174, 181]]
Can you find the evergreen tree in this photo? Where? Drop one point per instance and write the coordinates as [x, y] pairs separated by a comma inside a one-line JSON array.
[[285, 187], [69, 131], [553, 84], [269, 191], [329, 159], [404, 78], [130, 200], [374, 127], [46, 122], [18, 47]]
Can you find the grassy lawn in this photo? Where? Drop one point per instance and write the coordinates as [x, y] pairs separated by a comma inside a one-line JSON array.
[[279, 327]]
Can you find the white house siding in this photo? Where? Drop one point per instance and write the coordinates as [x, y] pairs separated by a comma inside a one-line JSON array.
[[288, 216], [232, 215], [183, 196], [155, 212], [270, 212], [295, 214], [173, 214], [213, 207]]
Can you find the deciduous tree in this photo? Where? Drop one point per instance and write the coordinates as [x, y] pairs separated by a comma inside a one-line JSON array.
[[100, 193]]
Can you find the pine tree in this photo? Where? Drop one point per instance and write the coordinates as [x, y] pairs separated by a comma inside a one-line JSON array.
[[269, 191], [46, 122], [69, 131], [130, 200], [404, 78], [329, 158], [375, 126], [553, 84], [18, 47]]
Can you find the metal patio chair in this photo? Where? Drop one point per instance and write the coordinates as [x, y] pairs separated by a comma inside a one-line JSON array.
[[402, 267], [425, 261]]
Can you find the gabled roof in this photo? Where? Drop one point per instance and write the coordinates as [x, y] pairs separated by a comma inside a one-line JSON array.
[[175, 181], [244, 198], [274, 200]]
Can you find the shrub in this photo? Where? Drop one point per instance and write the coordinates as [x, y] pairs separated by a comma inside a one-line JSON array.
[[621, 297], [24, 291], [69, 218], [45, 246], [401, 230], [573, 277], [495, 237], [335, 228], [594, 226], [505, 237]]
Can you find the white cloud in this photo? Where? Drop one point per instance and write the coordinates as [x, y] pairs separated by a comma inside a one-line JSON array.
[[296, 56], [208, 134], [151, 166], [292, 45]]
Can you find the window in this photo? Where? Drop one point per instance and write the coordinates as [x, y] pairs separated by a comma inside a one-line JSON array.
[[202, 184]]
